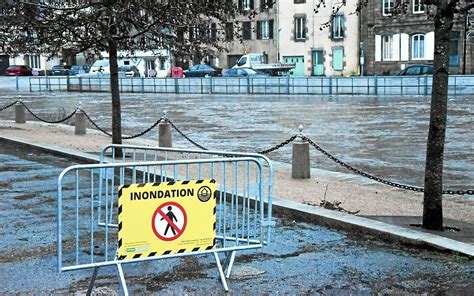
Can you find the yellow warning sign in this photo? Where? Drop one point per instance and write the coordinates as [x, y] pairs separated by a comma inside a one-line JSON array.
[[166, 218]]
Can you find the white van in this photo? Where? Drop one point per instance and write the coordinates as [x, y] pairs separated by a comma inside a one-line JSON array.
[[100, 66], [103, 66]]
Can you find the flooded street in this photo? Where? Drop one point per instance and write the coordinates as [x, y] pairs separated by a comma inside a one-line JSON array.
[[385, 136]]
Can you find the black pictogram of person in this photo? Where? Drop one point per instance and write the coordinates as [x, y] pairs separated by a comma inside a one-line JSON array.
[[172, 217]]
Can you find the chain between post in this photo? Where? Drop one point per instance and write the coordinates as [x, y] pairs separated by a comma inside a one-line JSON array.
[[281, 145], [274, 148], [8, 106], [186, 137], [126, 137], [49, 121], [377, 179]]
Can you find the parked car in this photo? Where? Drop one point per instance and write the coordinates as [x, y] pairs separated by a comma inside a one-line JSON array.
[[60, 70], [79, 69], [19, 70], [247, 72], [202, 70], [130, 71], [422, 69]]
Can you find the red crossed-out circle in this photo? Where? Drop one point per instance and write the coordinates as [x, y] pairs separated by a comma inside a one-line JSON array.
[[159, 211]]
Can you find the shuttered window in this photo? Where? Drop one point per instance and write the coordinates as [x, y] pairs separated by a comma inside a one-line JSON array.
[[338, 58], [246, 30]]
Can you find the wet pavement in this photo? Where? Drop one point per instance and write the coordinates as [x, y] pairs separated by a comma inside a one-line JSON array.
[[385, 136], [302, 259]]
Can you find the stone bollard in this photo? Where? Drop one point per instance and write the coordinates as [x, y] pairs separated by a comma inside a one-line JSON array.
[[80, 122], [20, 113], [300, 166], [164, 133]]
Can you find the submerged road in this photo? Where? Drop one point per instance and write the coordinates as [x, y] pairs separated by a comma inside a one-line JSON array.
[[303, 258], [385, 136]]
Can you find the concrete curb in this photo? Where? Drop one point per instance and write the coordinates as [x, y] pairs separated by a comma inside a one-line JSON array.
[[312, 214], [381, 230]]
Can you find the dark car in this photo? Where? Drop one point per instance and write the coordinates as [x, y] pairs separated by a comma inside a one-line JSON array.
[[129, 71], [18, 71], [423, 69], [79, 69], [244, 72], [202, 70], [60, 70]]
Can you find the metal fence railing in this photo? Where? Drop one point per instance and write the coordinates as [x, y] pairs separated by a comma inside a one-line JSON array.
[[367, 85], [92, 229]]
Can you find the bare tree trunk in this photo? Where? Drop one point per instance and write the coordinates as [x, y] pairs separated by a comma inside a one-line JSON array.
[[114, 89], [433, 197]]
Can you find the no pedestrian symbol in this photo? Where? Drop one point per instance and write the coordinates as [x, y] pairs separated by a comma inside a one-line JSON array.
[[169, 221]]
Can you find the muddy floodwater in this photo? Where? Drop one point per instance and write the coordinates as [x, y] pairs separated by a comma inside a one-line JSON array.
[[303, 258], [385, 136]]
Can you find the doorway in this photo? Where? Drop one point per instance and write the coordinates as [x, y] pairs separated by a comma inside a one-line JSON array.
[[4, 63], [318, 63]]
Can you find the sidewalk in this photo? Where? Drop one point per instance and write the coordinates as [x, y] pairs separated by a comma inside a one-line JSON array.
[[354, 192]]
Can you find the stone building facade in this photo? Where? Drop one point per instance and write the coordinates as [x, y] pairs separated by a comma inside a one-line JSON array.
[[316, 48], [390, 43], [251, 34]]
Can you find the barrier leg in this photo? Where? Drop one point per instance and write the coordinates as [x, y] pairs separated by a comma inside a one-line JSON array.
[[91, 284], [227, 260], [221, 272], [123, 284], [230, 264]]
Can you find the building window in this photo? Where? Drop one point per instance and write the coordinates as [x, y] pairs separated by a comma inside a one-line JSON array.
[[180, 34], [150, 65], [33, 61], [213, 31], [338, 27], [246, 30], [300, 28], [229, 31], [193, 33], [247, 4], [454, 49], [387, 48], [162, 64], [265, 29], [418, 47], [387, 6], [418, 6]]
